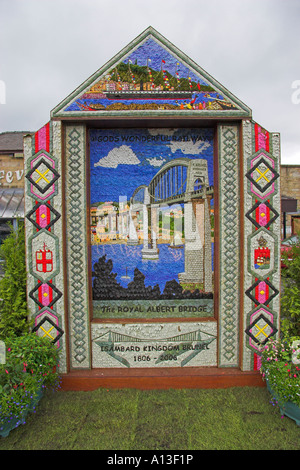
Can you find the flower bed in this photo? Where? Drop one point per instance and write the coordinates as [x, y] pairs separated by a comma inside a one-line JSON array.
[[30, 367], [281, 370]]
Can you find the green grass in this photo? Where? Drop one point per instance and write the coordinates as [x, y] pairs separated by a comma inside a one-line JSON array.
[[129, 419]]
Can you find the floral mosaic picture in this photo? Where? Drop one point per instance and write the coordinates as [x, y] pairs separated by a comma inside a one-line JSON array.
[[152, 222], [151, 78]]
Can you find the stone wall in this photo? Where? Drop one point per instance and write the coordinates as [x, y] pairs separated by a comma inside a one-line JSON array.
[[290, 182], [290, 186]]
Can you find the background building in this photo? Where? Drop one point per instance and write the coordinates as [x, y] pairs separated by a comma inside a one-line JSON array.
[[11, 180], [290, 197]]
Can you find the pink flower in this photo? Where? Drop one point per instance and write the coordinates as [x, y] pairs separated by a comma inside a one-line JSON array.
[[6, 371]]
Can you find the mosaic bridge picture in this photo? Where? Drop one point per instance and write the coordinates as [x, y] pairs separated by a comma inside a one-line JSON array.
[[152, 222]]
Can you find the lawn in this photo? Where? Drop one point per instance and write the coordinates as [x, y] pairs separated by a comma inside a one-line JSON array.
[[240, 418]]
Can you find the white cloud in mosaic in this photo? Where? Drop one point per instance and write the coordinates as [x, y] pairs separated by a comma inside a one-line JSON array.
[[156, 161], [189, 148], [118, 156]]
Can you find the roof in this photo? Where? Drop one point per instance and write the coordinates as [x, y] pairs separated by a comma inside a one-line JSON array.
[[151, 77], [11, 203], [12, 141]]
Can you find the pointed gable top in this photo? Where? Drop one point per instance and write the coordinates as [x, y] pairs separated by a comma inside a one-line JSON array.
[[151, 77]]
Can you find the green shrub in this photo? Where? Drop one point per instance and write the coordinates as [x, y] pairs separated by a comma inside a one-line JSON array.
[[280, 367], [18, 392], [31, 365], [38, 356], [13, 303]]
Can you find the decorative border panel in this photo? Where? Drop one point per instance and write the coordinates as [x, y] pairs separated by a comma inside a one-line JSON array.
[[76, 237], [261, 240], [229, 245], [43, 227]]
